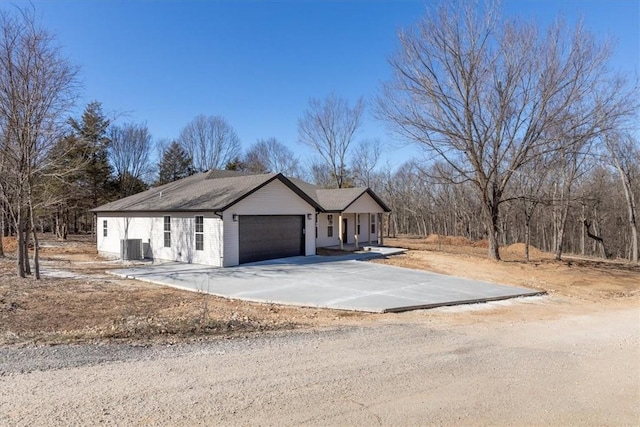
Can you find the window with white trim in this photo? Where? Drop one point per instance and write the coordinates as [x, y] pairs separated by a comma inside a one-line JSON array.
[[373, 224], [167, 231], [105, 228], [358, 224], [199, 233], [330, 226]]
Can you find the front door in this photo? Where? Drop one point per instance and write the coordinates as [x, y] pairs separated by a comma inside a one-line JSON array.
[[345, 234]]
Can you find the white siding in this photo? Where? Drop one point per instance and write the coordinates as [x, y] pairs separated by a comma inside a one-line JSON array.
[[323, 224], [364, 204], [150, 228], [274, 198]]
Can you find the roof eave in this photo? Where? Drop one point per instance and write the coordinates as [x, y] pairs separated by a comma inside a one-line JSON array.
[[154, 210]]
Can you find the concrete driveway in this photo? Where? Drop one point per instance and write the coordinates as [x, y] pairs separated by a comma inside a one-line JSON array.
[[341, 282]]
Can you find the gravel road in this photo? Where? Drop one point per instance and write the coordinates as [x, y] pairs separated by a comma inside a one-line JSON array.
[[408, 370]]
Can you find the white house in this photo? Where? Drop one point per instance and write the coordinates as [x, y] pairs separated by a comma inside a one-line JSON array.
[[225, 218]]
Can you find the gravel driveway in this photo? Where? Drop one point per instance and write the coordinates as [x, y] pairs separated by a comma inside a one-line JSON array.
[[405, 370]]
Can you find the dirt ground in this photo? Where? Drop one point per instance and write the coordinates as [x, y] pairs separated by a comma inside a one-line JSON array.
[[582, 278], [77, 302]]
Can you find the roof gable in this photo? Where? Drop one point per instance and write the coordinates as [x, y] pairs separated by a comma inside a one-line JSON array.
[[339, 199]]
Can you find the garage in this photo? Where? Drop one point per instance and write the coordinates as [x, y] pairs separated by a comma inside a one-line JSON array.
[[264, 237]]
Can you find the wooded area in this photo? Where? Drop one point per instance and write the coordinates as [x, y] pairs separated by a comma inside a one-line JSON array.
[[527, 135]]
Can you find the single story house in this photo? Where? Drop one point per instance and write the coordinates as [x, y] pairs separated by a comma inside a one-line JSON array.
[[226, 218]]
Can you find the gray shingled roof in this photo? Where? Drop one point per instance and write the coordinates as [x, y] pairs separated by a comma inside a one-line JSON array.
[[191, 194], [308, 189], [218, 190], [338, 199]]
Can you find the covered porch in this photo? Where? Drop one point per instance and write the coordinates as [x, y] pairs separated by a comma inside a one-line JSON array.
[[350, 231], [351, 218]]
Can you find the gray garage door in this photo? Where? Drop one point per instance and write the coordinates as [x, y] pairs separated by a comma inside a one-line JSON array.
[[270, 236]]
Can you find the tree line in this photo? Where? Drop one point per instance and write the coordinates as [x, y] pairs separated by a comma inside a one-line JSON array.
[[527, 135]]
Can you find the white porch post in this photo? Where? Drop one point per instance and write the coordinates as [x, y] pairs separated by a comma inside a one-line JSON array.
[[340, 231], [355, 229], [369, 228]]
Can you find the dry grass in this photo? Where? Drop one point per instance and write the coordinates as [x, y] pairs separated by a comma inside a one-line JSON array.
[[590, 279], [91, 305]]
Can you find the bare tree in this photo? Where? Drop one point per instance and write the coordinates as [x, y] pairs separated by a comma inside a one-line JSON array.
[[37, 88], [129, 152], [328, 127], [320, 175], [364, 160], [210, 142], [625, 156], [270, 155], [528, 192], [485, 95]]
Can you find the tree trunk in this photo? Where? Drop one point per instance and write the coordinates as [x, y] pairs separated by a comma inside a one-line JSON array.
[[2, 216], [527, 236], [65, 222], [20, 239], [559, 240], [632, 213], [634, 243], [58, 222], [561, 213], [36, 250], [596, 238], [625, 178], [26, 232], [582, 240], [492, 216]]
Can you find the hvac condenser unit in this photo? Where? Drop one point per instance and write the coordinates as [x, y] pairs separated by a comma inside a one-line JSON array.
[[131, 249]]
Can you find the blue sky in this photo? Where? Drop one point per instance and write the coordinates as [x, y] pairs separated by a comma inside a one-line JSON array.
[[257, 63]]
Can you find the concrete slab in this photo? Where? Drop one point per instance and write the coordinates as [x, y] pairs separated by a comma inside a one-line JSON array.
[[339, 282]]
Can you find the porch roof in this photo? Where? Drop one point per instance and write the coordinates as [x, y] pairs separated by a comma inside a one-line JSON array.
[[337, 199]]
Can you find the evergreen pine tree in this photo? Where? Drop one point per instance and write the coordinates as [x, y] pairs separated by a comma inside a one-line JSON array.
[[82, 172], [174, 165], [91, 133]]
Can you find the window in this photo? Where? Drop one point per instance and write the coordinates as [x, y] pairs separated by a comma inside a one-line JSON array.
[[358, 224], [167, 231], [104, 228], [199, 233], [373, 224], [330, 226]]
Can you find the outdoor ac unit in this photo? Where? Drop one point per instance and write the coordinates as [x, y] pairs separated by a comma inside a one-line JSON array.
[[131, 249]]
